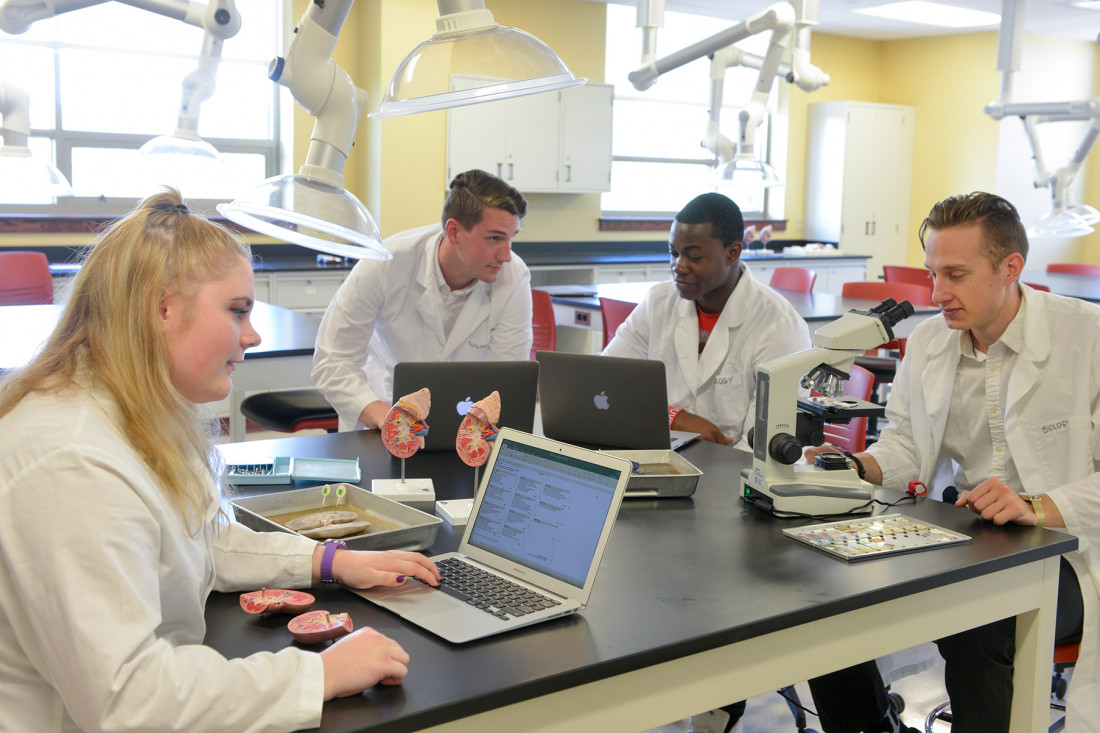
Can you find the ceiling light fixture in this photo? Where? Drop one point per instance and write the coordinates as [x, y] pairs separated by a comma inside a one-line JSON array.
[[936, 14]]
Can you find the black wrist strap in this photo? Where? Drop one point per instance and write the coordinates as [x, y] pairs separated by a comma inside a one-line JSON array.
[[859, 464]]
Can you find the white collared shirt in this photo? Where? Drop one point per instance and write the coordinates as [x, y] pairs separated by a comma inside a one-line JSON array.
[[978, 445], [453, 300]]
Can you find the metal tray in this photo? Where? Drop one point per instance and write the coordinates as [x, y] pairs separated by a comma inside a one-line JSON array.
[[680, 483], [415, 530]]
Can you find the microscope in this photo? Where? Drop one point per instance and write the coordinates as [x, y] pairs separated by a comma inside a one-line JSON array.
[[785, 422]]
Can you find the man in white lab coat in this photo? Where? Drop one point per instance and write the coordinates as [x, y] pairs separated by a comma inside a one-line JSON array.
[[999, 397], [712, 325], [452, 292]]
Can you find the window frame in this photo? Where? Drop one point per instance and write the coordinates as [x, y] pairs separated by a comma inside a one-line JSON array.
[[80, 210]]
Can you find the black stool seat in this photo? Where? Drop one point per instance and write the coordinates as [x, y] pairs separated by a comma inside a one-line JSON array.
[[290, 410]]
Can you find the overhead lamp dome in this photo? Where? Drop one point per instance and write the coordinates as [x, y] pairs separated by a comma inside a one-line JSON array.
[[311, 213], [1060, 222], [24, 176], [509, 62]]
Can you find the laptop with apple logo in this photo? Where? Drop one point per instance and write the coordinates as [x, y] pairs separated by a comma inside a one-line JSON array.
[[457, 385], [605, 402]]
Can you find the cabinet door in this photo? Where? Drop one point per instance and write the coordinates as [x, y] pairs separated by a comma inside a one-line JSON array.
[[586, 138], [476, 135], [532, 133]]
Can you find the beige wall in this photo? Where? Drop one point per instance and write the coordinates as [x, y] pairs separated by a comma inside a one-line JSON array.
[[397, 165]]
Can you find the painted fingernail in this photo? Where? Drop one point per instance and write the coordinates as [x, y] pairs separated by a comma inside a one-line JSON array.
[[400, 579]]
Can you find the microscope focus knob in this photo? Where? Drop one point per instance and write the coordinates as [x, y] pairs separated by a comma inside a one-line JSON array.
[[785, 448]]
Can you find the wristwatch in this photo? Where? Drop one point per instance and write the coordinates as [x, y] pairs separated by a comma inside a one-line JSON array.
[[331, 546], [1037, 507]]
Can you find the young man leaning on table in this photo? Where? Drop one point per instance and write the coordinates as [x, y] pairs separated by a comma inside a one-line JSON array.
[[999, 397], [712, 325], [452, 292]]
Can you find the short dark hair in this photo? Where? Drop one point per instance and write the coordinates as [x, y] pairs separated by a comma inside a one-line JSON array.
[[1000, 222], [726, 223], [474, 191]]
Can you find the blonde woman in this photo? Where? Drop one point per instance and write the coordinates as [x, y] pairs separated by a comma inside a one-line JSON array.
[[111, 538]]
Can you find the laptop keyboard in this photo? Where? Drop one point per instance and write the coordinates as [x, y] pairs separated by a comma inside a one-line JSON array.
[[491, 593]]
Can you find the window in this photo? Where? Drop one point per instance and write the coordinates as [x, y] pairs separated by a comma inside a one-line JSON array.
[[104, 80], [658, 164]]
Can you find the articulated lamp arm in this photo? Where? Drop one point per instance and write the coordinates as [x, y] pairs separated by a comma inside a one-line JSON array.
[[323, 88]]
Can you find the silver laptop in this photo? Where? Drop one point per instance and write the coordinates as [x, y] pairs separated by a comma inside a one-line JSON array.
[[456, 385], [606, 402], [540, 523]]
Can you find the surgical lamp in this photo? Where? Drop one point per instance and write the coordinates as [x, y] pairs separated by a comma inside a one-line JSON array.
[[738, 163], [468, 42], [312, 208], [1065, 217], [183, 157], [21, 174]]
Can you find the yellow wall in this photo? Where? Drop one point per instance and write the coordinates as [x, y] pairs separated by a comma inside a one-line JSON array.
[[397, 166]]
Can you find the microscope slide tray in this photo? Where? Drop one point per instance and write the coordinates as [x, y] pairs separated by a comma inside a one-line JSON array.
[[868, 537]]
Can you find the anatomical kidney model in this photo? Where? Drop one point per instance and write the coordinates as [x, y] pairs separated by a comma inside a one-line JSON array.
[[405, 425], [314, 627], [275, 600], [478, 430]]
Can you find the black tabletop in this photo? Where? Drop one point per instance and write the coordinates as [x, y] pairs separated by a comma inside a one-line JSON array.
[[284, 332], [679, 576], [1085, 287], [811, 306]]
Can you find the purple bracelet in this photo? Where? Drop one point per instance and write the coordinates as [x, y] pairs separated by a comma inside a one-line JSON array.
[[331, 546]]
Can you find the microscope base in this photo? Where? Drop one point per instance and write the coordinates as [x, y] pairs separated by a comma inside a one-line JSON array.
[[811, 492]]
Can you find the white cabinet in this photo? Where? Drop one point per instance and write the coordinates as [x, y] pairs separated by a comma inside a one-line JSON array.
[[859, 167], [301, 291], [554, 142]]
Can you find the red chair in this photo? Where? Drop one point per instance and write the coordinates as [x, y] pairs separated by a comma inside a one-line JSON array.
[[800, 279], [1073, 268], [25, 279], [1037, 286], [543, 327], [902, 274], [613, 313], [915, 294], [852, 436]]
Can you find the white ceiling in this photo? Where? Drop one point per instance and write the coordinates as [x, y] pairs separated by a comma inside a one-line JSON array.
[[1046, 17]]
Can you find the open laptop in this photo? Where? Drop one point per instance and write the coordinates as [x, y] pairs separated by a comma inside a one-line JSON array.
[[540, 521], [606, 402], [456, 385]]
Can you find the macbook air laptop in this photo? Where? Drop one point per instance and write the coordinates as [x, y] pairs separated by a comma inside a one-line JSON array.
[[536, 535], [457, 385], [606, 402]]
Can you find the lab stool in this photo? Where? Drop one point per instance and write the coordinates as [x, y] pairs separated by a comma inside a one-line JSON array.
[[290, 410]]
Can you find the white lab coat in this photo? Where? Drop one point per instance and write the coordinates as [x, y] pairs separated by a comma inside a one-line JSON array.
[[102, 590], [756, 326], [1052, 426], [386, 312]]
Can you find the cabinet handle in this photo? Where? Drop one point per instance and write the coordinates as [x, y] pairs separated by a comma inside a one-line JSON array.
[[511, 171], [568, 172], [500, 170]]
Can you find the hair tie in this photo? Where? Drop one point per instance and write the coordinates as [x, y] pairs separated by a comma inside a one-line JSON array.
[[181, 209]]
